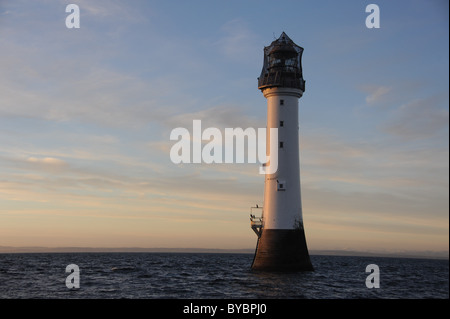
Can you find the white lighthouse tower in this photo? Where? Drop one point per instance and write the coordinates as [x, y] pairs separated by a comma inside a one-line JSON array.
[[281, 237]]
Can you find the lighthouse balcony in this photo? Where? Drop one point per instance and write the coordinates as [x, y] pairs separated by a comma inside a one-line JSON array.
[[256, 222], [281, 79]]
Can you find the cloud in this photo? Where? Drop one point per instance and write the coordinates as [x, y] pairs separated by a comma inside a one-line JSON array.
[[50, 161], [238, 41], [376, 94], [46, 165], [220, 116], [328, 161], [99, 96], [418, 119], [107, 8], [129, 177], [404, 111], [58, 75]]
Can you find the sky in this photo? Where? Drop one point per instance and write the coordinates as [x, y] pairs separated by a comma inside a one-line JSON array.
[[86, 115]]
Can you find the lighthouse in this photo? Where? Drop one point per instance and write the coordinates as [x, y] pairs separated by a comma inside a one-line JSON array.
[[281, 244]]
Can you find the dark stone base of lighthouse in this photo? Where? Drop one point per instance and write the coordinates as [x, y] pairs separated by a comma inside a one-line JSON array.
[[282, 250]]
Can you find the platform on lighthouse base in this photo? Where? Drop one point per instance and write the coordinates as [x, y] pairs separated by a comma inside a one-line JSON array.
[[282, 250]]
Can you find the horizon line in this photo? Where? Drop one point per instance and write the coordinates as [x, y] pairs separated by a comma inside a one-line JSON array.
[[334, 252]]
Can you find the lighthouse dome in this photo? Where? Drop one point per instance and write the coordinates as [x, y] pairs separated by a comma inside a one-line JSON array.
[[282, 65]]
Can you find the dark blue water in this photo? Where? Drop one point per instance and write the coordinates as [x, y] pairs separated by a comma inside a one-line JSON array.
[[193, 275]]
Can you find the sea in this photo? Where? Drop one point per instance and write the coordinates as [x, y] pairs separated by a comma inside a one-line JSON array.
[[200, 276]]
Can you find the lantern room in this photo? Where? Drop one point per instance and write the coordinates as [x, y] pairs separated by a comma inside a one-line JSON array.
[[282, 65]]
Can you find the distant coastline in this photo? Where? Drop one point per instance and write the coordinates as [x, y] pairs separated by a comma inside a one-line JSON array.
[[38, 249]]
